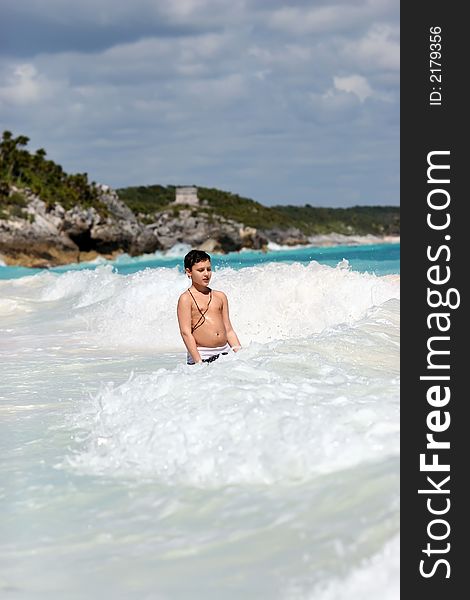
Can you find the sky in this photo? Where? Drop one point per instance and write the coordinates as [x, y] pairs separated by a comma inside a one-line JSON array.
[[283, 102]]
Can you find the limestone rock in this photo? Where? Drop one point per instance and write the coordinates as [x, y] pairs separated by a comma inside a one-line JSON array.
[[40, 235], [286, 237]]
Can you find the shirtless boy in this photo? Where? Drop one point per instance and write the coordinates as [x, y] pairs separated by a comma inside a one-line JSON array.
[[203, 313]]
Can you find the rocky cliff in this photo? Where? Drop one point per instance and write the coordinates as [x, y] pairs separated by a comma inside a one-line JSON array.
[[32, 233]]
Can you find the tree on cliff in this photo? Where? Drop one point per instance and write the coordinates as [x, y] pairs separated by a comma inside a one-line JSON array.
[[13, 158], [47, 179]]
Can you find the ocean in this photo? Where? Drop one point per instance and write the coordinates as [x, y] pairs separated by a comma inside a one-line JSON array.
[[272, 473]]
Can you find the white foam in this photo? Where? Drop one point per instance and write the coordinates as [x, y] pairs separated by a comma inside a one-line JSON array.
[[176, 251], [376, 577], [87, 286], [267, 302], [11, 306], [273, 247], [282, 411], [303, 421]]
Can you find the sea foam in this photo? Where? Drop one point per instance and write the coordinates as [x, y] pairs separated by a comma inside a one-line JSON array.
[[376, 577], [280, 411], [267, 302], [278, 463]]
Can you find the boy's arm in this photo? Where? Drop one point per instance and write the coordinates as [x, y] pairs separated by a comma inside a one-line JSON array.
[[231, 335], [184, 322]]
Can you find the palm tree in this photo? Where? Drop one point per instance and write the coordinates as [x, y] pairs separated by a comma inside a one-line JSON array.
[[12, 159]]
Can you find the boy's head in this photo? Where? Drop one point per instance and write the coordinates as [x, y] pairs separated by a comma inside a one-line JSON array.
[[197, 265], [195, 256]]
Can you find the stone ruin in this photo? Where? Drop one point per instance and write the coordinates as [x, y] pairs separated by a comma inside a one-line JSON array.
[[187, 195]]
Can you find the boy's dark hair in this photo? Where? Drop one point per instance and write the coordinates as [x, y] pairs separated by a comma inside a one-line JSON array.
[[193, 257]]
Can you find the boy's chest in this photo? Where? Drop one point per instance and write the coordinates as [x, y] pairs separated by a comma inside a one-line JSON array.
[[214, 307]]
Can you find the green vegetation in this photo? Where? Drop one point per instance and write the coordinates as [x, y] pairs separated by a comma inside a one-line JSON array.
[[20, 168], [243, 210], [359, 220], [147, 200], [11, 206], [154, 198]]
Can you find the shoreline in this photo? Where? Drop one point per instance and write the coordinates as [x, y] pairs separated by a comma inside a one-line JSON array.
[[68, 258], [339, 239]]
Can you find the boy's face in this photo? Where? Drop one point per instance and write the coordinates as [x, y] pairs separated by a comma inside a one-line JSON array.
[[200, 273]]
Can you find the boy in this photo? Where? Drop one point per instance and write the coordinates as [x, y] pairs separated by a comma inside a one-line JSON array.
[[203, 314]]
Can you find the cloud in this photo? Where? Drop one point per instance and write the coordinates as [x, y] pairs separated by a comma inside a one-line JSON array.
[[25, 86], [276, 101], [379, 48], [328, 17], [356, 84]]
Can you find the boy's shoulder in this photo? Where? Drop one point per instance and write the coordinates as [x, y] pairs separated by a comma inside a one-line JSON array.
[[219, 294], [184, 295]]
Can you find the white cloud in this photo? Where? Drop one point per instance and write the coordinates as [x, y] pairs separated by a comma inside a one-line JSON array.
[[313, 20], [356, 84], [216, 91], [167, 92], [24, 85], [285, 55], [379, 48], [330, 17]]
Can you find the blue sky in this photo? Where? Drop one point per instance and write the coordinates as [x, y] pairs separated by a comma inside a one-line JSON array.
[[283, 102]]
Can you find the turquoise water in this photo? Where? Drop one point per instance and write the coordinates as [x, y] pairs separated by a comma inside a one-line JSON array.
[[380, 259], [272, 473]]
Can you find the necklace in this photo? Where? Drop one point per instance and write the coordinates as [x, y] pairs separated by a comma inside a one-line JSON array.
[[202, 318]]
